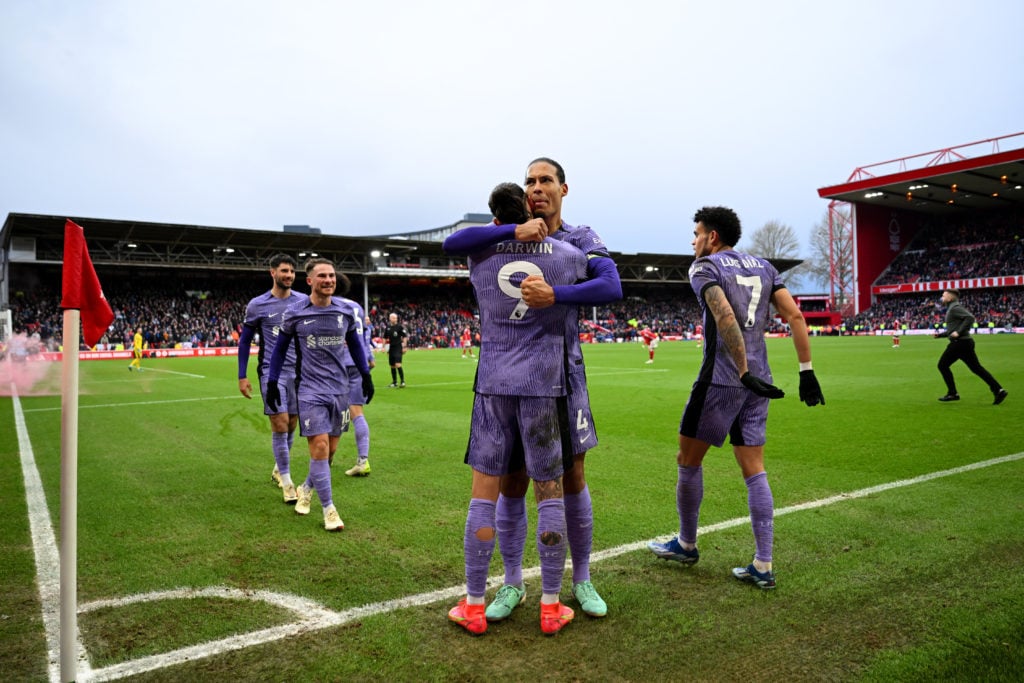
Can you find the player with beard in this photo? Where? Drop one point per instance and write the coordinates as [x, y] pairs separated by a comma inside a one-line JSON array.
[[263, 316], [519, 400], [733, 387], [545, 189]]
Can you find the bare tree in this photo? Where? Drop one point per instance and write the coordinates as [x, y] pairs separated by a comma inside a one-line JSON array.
[[831, 262], [775, 240]]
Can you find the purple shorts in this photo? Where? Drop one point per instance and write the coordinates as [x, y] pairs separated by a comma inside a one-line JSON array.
[[713, 411], [581, 420], [289, 397], [355, 387], [500, 421], [324, 415]]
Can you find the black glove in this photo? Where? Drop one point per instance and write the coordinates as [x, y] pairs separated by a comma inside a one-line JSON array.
[[810, 390], [367, 388], [273, 397], [760, 387]]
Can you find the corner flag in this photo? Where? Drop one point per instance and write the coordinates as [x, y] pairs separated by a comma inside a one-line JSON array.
[[83, 300], [81, 287]]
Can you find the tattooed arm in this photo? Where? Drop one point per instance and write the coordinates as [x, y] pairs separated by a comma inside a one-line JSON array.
[[727, 325]]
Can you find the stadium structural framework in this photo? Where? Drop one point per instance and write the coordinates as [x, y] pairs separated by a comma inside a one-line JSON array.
[[34, 243], [875, 214]]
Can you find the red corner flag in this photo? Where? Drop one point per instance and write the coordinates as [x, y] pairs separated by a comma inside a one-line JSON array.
[[81, 286]]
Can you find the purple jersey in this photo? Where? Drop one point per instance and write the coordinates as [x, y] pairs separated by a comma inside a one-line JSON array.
[[583, 238], [748, 283], [264, 314], [319, 341], [522, 349], [589, 242], [364, 333]]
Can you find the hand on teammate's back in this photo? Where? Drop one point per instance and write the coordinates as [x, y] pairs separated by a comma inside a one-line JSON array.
[[532, 231]]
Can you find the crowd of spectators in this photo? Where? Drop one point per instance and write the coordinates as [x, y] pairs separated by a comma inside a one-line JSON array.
[[998, 308], [432, 317], [209, 312], [941, 251], [192, 320], [214, 318]]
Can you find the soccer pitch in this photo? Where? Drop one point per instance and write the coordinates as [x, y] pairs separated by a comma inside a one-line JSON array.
[[898, 530]]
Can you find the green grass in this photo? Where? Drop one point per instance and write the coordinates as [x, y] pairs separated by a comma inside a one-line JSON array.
[[913, 583]]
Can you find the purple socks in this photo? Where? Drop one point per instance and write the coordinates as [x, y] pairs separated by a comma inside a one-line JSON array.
[[579, 527], [279, 440], [478, 553], [762, 514], [512, 526], [689, 494], [551, 544]]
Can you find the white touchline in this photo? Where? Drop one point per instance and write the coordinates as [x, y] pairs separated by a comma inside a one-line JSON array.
[[311, 616], [44, 545]]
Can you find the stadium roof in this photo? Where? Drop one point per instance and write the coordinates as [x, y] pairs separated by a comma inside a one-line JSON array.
[[35, 238], [943, 181]]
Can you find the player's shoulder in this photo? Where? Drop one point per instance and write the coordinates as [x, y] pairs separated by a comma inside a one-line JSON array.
[[260, 299], [585, 238], [297, 308], [352, 305], [339, 303], [703, 265]]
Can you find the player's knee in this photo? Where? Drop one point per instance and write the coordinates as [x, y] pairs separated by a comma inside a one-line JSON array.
[[515, 484]]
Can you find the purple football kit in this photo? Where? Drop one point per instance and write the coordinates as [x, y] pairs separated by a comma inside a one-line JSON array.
[[522, 353], [719, 404], [355, 396], [318, 336], [263, 315], [581, 419]]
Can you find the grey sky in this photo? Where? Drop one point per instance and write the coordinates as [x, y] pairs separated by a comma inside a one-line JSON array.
[[374, 117]]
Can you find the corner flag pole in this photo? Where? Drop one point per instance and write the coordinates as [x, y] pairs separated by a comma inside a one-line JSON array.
[[83, 302], [69, 500]]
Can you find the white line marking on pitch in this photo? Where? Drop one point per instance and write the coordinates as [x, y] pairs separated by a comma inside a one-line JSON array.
[[312, 616], [174, 372], [170, 372], [44, 544], [137, 403], [329, 618]]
